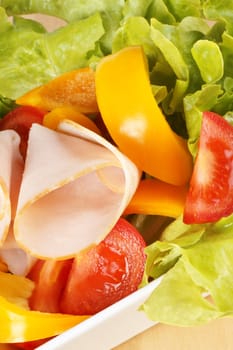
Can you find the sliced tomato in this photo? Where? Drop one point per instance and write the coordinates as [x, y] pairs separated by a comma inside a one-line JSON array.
[[50, 278], [105, 273], [31, 345], [21, 119], [210, 196]]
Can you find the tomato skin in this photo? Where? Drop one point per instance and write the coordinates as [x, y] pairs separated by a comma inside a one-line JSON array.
[[31, 345], [21, 119], [50, 278], [96, 278], [105, 273], [210, 194]]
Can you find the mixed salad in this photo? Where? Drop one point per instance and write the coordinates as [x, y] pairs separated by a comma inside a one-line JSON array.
[[116, 137]]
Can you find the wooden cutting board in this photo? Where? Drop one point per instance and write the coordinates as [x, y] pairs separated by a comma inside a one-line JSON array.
[[217, 335]]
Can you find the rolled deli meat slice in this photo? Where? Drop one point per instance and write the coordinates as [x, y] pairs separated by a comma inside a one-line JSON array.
[[11, 167], [75, 187], [17, 260]]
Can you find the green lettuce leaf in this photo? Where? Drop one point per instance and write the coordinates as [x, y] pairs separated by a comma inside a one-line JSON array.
[[180, 9], [135, 31], [194, 105], [159, 10], [29, 57], [135, 8], [199, 263], [21, 23], [175, 60], [6, 105], [179, 301], [5, 25], [220, 10], [75, 45], [175, 43], [227, 52], [73, 10], [209, 60]]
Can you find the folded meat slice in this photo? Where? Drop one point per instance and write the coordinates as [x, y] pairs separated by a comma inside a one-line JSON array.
[[75, 186], [11, 166], [11, 169], [18, 261], [5, 210]]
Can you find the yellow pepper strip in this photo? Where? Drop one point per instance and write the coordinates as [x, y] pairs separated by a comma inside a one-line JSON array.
[[20, 325], [154, 197], [16, 289], [134, 120], [17, 322], [52, 119], [75, 88]]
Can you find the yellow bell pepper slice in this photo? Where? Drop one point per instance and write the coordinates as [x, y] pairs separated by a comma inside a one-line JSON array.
[[16, 289], [154, 197], [134, 120], [75, 88], [17, 322], [20, 325], [53, 118]]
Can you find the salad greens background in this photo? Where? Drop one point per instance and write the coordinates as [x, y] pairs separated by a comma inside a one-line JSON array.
[[189, 47]]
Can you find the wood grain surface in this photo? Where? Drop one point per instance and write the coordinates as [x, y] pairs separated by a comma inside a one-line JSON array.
[[217, 335]]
